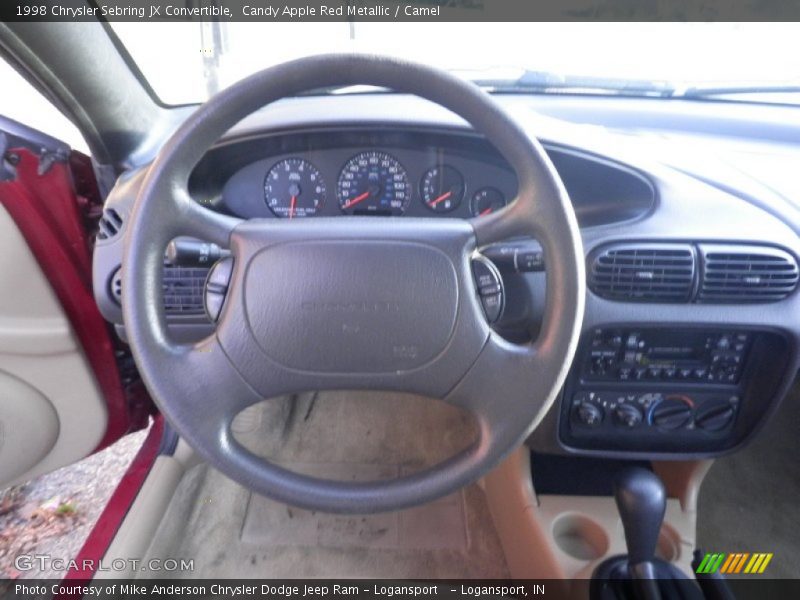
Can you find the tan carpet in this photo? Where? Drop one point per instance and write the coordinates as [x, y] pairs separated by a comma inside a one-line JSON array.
[[231, 533]]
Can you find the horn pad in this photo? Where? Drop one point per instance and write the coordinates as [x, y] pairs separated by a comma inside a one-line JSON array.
[[351, 306]]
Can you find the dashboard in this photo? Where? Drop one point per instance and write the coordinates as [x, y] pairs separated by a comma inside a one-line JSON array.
[[690, 335]]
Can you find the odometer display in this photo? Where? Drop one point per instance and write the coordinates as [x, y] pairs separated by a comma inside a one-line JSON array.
[[294, 188], [373, 183]]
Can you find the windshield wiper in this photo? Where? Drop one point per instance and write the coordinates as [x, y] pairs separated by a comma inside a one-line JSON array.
[[737, 90], [552, 83]]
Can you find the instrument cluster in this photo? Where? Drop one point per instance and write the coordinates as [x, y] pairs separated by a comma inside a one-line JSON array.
[[370, 181]]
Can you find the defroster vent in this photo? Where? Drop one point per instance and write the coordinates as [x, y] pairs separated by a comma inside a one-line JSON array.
[[738, 273], [643, 272]]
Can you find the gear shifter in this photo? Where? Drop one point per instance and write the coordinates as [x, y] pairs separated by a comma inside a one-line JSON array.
[[641, 501]]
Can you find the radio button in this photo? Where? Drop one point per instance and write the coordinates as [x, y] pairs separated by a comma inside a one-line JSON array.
[[654, 373]]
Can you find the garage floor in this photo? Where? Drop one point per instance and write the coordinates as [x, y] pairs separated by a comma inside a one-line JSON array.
[[750, 501]]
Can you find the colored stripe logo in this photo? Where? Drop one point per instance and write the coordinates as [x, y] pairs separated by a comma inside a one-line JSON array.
[[735, 562]]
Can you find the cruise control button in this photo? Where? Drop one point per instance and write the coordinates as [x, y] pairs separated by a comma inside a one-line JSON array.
[[490, 288], [492, 306], [483, 274], [217, 287]]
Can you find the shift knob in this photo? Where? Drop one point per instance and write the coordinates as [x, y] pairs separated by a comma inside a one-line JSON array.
[[641, 501]]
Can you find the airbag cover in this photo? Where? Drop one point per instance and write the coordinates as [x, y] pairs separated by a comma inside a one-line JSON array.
[[351, 306]]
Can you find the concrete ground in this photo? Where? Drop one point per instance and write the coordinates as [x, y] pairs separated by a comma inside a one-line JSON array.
[[54, 513]]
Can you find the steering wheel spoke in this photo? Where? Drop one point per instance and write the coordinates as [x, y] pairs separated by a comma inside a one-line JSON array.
[[194, 220], [499, 390], [207, 391]]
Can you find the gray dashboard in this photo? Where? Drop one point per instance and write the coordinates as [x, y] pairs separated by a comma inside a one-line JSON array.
[[622, 193]]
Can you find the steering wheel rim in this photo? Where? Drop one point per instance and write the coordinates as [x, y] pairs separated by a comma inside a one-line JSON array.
[[451, 354]]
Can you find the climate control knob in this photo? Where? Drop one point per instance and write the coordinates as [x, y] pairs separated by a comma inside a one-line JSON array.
[[590, 414], [628, 415], [673, 412], [715, 415]]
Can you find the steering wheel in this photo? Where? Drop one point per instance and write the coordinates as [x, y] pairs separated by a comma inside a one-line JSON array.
[[353, 302]]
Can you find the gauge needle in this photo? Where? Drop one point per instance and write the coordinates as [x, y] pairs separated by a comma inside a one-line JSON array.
[[291, 206], [441, 198], [485, 211], [356, 200]]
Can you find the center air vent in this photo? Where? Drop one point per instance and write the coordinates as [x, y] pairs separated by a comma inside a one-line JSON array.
[[746, 273], [643, 272]]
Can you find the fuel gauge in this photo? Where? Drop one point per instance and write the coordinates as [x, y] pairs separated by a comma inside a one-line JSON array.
[[487, 200], [442, 188]]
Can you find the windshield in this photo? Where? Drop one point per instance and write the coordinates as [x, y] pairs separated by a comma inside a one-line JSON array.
[[187, 62]]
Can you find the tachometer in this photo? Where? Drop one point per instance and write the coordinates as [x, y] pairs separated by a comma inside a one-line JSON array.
[[294, 188], [442, 188], [374, 183]]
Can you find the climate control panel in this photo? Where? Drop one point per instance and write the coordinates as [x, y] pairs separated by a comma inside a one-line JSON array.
[[710, 412], [663, 421], [657, 391]]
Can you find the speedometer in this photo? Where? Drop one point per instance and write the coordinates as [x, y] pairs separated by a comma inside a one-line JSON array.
[[374, 183]]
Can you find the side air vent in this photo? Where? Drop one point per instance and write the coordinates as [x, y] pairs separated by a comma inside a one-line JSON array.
[[110, 224], [183, 289], [643, 272], [746, 273]]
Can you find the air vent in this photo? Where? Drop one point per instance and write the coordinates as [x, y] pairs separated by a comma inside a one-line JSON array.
[[643, 272], [746, 274], [183, 289], [110, 224]]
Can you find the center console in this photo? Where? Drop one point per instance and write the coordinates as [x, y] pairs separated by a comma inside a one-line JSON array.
[[668, 390]]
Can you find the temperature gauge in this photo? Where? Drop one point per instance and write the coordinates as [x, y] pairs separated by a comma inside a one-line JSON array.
[[487, 200]]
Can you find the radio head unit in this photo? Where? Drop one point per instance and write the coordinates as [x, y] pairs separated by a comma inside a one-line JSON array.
[[668, 355]]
